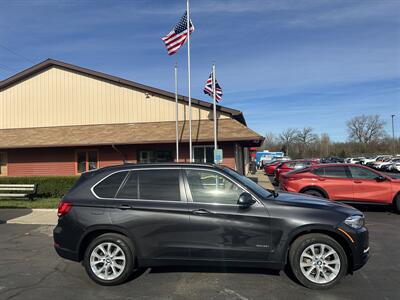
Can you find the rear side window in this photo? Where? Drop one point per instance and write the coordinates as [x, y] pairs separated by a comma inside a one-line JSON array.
[[338, 172], [110, 185], [130, 190], [319, 171], [159, 185]]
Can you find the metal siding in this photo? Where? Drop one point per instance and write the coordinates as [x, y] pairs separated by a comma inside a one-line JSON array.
[[58, 97]]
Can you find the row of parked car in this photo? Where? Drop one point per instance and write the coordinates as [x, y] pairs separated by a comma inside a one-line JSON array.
[[384, 163], [336, 181]]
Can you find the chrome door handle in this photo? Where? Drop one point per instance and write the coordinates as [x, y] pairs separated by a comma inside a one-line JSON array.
[[125, 206], [201, 212]]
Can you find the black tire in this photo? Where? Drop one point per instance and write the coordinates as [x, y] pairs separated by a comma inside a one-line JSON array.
[[396, 203], [300, 244], [315, 193], [126, 246]]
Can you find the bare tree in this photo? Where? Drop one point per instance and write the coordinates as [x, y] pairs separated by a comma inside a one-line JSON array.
[[306, 136], [269, 141], [366, 129], [288, 137]]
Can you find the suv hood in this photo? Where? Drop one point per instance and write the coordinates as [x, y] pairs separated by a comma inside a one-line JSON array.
[[302, 200]]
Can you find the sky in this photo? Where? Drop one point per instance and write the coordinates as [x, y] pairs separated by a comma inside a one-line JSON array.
[[300, 63]]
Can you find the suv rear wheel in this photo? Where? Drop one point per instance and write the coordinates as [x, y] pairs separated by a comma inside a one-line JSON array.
[[317, 261], [109, 259]]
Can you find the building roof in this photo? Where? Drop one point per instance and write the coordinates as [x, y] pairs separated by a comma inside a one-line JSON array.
[[121, 134], [49, 63]]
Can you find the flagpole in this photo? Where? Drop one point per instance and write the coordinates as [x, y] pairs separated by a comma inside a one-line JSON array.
[[189, 95], [176, 113], [215, 107]]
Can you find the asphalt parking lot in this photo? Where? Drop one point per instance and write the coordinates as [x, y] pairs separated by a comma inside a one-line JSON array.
[[30, 269]]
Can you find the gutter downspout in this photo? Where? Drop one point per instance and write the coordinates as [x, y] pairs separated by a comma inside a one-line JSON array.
[[119, 151]]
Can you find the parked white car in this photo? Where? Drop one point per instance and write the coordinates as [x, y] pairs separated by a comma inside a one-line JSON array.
[[355, 160], [375, 158]]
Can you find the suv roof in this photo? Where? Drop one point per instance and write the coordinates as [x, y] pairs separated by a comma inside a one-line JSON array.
[[154, 165]]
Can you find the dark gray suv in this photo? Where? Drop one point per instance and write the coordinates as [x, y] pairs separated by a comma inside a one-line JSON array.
[[121, 218]]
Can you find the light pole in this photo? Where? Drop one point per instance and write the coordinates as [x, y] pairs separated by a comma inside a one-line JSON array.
[[393, 140]]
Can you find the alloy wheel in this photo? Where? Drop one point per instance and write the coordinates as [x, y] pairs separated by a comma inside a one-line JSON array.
[[320, 263], [107, 261]]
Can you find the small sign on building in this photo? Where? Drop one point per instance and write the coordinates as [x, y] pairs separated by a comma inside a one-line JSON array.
[[218, 156]]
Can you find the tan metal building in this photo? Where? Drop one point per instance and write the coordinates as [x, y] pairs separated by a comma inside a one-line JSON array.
[[61, 119]]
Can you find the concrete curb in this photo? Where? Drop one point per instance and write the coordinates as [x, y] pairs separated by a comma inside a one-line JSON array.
[[39, 216]]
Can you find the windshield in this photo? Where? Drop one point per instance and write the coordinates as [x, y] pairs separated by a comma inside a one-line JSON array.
[[248, 183]]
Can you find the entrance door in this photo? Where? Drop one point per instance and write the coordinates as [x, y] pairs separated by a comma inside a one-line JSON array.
[[3, 164], [203, 154]]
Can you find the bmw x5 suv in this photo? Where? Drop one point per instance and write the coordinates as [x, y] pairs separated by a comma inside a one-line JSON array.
[[117, 219]]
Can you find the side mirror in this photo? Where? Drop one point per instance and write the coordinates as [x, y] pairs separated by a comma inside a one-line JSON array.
[[380, 178], [245, 200]]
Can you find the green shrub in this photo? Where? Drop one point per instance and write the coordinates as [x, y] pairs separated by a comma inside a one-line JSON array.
[[48, 186]]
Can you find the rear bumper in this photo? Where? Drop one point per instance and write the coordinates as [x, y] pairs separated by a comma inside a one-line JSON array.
[[65, 253]]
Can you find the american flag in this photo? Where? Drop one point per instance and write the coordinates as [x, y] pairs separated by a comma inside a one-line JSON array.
[[208, 89], [178, 35]]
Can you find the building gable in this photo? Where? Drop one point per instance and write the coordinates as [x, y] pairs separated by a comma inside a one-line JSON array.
[[60, 96]]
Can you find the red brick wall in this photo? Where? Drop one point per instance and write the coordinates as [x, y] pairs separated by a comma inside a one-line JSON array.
[[61, 161], [41, 162]]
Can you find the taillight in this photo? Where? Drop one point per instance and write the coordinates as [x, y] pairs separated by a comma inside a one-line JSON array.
[[63, 208]]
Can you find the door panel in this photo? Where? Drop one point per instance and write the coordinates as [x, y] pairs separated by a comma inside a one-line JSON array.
[[220, 229], [336, 181], [366, 188], [152, 206]]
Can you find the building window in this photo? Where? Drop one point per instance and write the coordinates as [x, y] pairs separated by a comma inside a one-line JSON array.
[[203, 154], [3, 163], [146, 157], [86, 160]]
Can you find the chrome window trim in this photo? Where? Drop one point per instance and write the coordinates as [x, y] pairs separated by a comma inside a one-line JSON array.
[[138, 169]]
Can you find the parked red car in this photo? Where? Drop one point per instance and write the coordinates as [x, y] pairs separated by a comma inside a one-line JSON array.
[[270, 168], [290, 166], [346, 182]]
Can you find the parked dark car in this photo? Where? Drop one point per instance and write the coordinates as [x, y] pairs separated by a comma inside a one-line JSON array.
[[121, 218]]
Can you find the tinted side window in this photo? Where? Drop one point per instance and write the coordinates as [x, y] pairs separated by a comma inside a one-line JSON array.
[[319, 171], [362, 173], [109, 186], [339, 172], [159, 185], [130, 190], [210, 187]]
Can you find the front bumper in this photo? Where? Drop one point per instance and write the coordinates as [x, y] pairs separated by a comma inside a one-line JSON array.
[[358, 240]]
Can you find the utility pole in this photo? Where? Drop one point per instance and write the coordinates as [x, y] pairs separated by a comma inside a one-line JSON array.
[[393, 140]]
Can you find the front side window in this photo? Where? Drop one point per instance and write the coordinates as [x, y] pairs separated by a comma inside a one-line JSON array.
[[210, 187], [86, 161], [362, 173], [110, 185]]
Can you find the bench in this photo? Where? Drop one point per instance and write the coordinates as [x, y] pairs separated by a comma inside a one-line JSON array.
[[18, 191]]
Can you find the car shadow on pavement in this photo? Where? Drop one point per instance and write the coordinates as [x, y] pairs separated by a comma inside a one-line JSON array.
[[9, 214], [374, 208]]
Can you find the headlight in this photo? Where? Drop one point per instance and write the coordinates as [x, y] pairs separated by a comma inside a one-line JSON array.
[[355, 221]]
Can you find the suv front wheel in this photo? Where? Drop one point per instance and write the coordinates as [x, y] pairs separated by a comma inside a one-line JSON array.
[[109, 259], [318, 261]]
